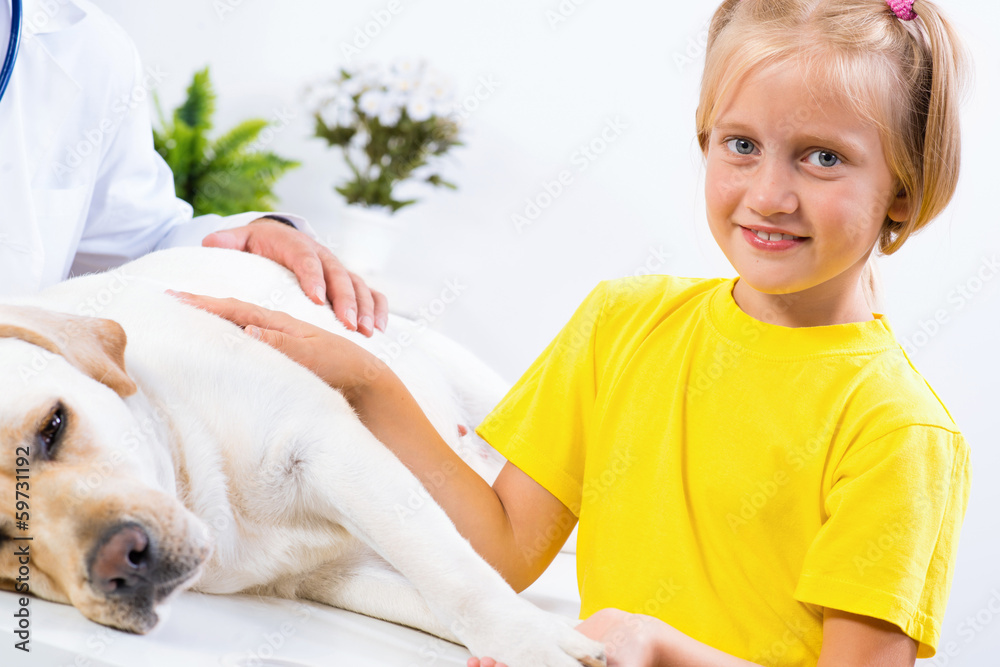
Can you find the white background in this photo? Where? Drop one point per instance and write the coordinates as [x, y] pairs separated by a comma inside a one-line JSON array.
[[558, 85]]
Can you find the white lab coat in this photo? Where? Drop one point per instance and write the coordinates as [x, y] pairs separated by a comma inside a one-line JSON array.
[[81, 187]]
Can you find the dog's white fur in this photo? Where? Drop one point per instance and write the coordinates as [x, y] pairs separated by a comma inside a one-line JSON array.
[[248, 472]]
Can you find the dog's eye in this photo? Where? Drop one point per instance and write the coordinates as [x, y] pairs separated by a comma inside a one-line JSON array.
[[52, 429]]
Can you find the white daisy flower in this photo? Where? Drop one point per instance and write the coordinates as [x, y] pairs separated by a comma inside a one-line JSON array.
[[407, 67], [389, 116], [371, 102], [352, 86], [436, 86], [330, 115], [346, 117], [444, 108], [402, 85], [418, 109]]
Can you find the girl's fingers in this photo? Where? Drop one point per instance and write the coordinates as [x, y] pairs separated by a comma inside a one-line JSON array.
[[241, 313]]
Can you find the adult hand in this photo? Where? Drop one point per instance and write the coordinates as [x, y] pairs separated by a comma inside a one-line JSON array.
[[323, 278], [336, 360]]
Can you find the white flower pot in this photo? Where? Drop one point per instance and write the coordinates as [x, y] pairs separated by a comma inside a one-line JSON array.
[[367, 239]]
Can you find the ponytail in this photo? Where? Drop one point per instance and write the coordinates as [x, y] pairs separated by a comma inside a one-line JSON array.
[[927, 159]]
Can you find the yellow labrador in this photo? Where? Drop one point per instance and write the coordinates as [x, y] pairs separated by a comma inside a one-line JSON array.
[[196, 457]]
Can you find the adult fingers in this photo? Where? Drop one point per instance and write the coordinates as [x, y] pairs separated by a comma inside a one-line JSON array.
[[381, 310], [340, 289], [305, 262], [233, 239], [290, 248], [366, 305]]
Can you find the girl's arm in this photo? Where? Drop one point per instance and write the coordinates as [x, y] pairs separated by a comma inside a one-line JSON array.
[[517, 525], [851, 639]]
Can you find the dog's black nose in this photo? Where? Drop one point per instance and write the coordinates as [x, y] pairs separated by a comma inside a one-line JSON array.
[[123, 561]]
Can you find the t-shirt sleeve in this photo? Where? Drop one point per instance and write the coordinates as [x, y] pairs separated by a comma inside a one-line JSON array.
[[888, 546], [541, 424]]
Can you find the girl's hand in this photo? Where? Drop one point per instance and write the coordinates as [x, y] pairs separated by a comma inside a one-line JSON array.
[[336, 360], [630, 640]]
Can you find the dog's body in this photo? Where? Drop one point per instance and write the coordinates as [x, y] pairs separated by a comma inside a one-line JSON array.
[[228, 468]]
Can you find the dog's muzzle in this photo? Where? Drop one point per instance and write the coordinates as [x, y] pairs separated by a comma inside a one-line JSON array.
[[133, 574]]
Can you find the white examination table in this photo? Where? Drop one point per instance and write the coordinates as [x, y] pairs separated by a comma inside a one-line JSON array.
[[243, 631]]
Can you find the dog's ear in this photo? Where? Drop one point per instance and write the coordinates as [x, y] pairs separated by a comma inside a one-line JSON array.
[[94, 345]]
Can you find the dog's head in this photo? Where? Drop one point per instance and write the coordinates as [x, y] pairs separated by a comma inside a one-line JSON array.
[[82, 477]]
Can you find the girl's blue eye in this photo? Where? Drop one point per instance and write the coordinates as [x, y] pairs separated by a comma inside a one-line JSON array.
[[824, 159], [741, 146]]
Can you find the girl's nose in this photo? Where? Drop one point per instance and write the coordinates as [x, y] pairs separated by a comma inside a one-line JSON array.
[[770, 189]]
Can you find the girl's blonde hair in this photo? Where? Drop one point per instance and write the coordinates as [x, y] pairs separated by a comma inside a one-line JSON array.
[[904, 76]]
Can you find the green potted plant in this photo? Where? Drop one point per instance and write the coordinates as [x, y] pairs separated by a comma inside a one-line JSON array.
[[231, 174], [392, 123]]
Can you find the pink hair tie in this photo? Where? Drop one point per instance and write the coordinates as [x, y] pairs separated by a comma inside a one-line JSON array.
[[903, 9]]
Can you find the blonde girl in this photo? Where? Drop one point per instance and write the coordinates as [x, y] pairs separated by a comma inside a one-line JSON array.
[[759, 473]]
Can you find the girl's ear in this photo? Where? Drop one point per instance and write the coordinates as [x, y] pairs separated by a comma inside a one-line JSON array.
[[899, 209]]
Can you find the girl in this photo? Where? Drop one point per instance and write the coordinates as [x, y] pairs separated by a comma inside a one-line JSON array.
[[760, 474]]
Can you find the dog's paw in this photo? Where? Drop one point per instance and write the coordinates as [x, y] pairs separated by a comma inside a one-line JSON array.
[[530, 637]]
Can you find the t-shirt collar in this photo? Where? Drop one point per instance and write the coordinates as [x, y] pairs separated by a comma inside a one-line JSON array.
[[776, 340]]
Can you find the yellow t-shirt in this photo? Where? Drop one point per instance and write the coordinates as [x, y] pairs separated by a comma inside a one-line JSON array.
[[734, 477]]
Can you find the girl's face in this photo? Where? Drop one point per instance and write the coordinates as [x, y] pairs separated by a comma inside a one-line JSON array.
[[789, 161]]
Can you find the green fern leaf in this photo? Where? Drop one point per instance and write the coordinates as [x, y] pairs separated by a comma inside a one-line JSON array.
[[238, 138], [226, 176]]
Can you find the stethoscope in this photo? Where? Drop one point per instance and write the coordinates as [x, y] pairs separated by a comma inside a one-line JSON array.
[[15, 41]]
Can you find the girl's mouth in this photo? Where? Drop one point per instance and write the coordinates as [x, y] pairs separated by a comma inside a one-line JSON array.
[[772, 241]]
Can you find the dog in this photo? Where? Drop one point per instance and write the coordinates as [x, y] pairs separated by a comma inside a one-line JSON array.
[[158, 448]]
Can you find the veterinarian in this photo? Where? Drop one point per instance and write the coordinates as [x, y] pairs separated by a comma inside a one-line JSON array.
[[760, 474], [84, 190]]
